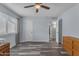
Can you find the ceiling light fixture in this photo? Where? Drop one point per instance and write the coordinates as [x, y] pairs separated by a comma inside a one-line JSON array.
[[37, 6]]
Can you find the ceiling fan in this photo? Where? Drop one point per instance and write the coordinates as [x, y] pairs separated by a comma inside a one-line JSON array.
[[38, 6]]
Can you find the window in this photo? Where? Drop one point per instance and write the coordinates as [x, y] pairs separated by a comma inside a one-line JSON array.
[[8, 24], [12, 25]]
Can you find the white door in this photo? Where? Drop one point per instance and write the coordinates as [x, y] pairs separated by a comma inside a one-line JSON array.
[[41, 30], [29, 30], [26, 31]]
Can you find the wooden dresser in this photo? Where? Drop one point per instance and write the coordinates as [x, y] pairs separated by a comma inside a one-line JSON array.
[[4, 49], [71, 45]]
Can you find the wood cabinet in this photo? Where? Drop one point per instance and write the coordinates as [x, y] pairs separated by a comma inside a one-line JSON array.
[[5, 49], [71, 45]]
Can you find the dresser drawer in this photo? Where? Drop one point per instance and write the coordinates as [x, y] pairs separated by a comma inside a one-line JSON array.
[[68, 45], [75, 52], [67, 40], [76, 44], [68, 50]]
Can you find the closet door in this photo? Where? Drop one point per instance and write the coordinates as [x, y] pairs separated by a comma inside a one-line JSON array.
[[40, 30], [26, 30], [29, 30]]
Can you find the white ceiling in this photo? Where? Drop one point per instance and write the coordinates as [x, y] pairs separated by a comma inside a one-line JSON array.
[[56, 9]]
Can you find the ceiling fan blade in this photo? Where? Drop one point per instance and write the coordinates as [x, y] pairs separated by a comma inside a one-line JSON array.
[[28, 6], [37, 10], [46, 7]]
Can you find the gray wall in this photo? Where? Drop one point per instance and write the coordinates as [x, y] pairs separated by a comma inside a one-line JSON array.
[[40, 27], [71, 22]]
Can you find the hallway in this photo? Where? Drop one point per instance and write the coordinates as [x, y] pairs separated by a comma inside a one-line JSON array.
[[36, 49]]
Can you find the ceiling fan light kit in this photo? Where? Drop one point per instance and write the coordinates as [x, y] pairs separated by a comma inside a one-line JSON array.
[[37, 6]]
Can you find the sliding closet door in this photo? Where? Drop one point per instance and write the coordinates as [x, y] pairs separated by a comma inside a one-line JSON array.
[[40, 30]]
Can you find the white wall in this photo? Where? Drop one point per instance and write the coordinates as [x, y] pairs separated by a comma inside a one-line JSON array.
[[71, 22], [40, 27]]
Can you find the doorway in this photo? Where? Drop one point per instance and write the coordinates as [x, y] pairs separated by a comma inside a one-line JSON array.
[[55, 33], [52, 33]]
